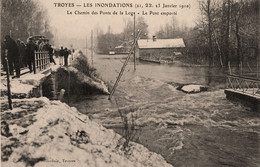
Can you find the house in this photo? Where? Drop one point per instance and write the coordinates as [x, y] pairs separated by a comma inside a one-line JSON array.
[[159, 50], [124, 48]]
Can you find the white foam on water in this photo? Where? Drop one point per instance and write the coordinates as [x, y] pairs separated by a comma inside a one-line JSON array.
[[164, 108], [178, 146]]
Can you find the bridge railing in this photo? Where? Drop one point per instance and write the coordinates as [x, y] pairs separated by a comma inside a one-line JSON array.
[[244, 84], [41, 61]]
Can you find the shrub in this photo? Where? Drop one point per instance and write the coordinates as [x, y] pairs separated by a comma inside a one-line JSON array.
[[81, 63], [130, 130]]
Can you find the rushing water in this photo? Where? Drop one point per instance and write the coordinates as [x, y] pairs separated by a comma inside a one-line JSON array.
[[203, 129]]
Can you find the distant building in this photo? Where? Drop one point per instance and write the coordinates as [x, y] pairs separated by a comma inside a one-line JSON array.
[[159, 50], [124, 48]]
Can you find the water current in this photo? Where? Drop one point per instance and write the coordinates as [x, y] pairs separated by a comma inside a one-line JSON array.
[[203, 129]]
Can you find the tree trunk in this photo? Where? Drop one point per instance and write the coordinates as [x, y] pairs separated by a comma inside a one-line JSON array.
[[219, 51], [210, 34], [227, 34], [257, 55], [239, 55]]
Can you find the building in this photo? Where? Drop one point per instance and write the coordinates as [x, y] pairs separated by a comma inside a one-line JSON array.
[[124, 48], [159, 50]]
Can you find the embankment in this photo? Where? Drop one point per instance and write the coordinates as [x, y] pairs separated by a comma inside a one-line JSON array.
[[73, 82], [40, 132]]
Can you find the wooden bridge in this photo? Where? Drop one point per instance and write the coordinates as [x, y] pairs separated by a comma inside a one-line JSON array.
[[244, 89]]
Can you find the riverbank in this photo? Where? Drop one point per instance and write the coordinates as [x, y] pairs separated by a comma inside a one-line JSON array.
[[41, 132], [50, 133]]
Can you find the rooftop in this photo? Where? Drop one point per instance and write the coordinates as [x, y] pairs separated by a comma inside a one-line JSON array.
[[160, 43]]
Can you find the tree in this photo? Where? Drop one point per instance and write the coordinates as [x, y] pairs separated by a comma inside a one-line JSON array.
[[143, 26], [171, 30], [23, 18], [107, 42], [226, 24], [230, 29], [207, 8], [213, 22], [160, 34], [128, 30]]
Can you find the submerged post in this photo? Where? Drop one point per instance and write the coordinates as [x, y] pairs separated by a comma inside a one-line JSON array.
[[257, 65], [8, 82], [241, 68]]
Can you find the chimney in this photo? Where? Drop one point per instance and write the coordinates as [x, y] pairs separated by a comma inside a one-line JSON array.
[[154, 38]]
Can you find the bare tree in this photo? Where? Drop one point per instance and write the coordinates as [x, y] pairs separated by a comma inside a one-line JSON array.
[[207, 21], [23, 18]]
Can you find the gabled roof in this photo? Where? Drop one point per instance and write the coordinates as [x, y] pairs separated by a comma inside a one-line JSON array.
[[160, 43]]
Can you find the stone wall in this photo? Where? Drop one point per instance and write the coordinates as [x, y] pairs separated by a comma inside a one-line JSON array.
[[73, 82]]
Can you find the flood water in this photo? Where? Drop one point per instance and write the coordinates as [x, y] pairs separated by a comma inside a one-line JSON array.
[[203, 129]]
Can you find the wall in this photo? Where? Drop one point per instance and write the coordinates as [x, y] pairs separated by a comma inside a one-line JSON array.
[[69, 80], [157, 54]]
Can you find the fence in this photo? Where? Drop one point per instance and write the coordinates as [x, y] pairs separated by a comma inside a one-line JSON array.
[[244, 84], [41, 61]]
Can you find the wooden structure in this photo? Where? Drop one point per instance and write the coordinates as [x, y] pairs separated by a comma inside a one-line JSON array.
[[41, 61], [124, 48], [159, 50], [8, 83]]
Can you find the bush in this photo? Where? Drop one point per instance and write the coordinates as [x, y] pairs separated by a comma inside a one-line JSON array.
[[130, 130], [81, 64]]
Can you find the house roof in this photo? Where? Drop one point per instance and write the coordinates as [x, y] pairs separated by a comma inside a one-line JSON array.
[[160, 43]]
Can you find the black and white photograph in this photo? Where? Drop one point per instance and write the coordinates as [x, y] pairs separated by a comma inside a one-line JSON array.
[[130, 83]]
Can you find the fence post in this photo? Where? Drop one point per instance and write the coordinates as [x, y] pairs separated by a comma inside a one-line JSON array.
[[8, 82], [40, 60], [241, 68], [257, 65], [34, 62], [43, 58]]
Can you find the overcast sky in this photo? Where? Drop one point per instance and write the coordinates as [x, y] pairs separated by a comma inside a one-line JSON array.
[[80, 26]]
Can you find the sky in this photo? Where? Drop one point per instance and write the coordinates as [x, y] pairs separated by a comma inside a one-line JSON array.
[[67, 26]]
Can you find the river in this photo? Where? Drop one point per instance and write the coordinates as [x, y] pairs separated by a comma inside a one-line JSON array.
[[203, 129]]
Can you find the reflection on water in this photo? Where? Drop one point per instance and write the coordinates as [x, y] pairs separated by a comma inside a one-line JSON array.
[[201, 129]]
